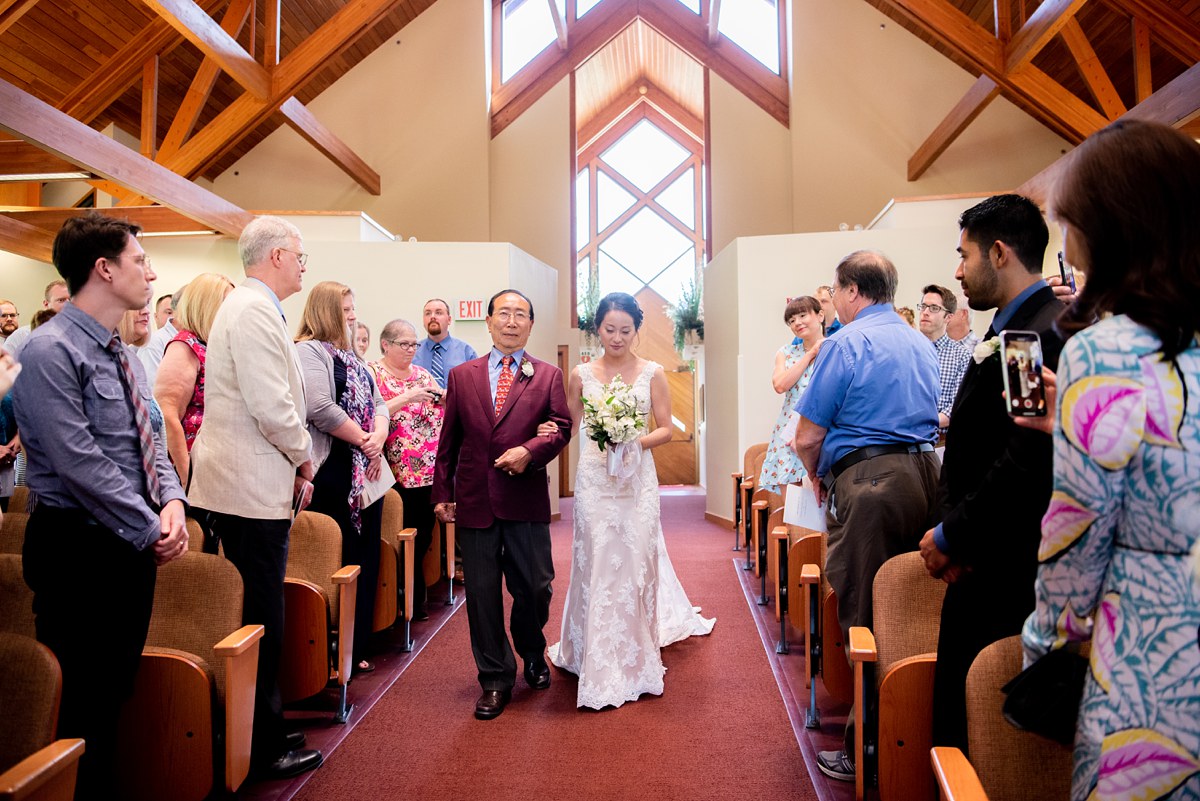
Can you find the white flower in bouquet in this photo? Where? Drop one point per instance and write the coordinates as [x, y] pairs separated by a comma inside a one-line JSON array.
[[612, 418]]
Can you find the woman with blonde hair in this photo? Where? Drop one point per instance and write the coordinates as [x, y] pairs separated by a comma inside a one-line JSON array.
[[134, 328], [348, 420], [179, 386]]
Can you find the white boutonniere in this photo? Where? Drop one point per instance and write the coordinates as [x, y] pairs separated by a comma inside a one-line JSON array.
[[986, 349], [527, 368]]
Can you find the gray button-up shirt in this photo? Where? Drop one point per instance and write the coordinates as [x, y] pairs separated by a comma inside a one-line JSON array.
[[78, 429]]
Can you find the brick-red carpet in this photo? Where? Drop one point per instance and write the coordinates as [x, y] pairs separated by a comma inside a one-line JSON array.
[[719, 731]]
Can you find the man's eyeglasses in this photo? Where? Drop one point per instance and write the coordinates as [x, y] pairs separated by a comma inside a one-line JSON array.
[[504, 316], [300, 257], [404, 344], [14, 316], [931, 307]]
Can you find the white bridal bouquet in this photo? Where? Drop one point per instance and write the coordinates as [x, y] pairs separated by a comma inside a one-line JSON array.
[[612, 420]]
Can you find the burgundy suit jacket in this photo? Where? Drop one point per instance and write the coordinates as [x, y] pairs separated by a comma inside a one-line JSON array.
[[473, 437]]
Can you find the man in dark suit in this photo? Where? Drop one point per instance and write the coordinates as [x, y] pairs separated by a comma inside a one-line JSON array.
[[491, 480], [996, 477]]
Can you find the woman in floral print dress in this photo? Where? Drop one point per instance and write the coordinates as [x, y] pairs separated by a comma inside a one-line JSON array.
[[1125, 512], [414, 403], [793, 363]]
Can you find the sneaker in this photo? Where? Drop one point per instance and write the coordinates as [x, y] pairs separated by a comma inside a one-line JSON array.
[[836, 765]]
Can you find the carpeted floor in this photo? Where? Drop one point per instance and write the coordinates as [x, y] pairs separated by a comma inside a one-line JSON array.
[[718, 732]]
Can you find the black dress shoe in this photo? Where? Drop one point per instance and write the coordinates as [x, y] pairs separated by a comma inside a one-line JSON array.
[[292, 763], [537, 673], [295, 740], [492, 703]]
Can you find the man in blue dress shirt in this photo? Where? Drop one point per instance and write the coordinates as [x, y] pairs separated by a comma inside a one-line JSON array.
[[440, 353], [866, 432], [108, 505]]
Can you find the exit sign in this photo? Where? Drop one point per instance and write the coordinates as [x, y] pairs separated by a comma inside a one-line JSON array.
[[471, 310]]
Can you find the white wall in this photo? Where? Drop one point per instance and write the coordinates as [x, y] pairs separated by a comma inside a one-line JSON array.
[[865, 95], [417, 112]]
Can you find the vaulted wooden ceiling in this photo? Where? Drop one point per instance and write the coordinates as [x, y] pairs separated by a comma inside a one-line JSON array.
[[201, 82]]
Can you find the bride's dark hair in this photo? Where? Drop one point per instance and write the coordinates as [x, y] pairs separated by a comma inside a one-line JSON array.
[[619, 301]]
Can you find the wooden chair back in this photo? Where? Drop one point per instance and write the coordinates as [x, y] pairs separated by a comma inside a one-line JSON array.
[[12, 530], [752, 459], [197, 603], [315, 554], [1007, 760], [30, 688], [20, 500], [907, 613], [386, 593], [16, 599]]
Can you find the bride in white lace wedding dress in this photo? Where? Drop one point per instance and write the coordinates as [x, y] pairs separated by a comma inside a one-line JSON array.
[[624, 602]]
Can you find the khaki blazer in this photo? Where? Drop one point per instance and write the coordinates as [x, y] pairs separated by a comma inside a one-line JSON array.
[[253, 436]]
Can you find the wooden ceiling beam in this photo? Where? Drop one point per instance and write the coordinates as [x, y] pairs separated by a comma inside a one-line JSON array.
[[18, 157], [972, 104], [956, 30], [274, 16], [302, 121], [13, 10], [714, 21], [206, 77], [1002, 15], [89, 99], [36, 122], [245, 113], [25, 240], [152, 219], [1177, 34], [203, 31], [1143, 85], [1092, 70], [149, 126], [1080, 119], [1042, 26], [1174, 104]]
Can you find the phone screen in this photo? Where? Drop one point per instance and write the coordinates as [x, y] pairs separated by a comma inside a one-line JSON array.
[[1021, 353]]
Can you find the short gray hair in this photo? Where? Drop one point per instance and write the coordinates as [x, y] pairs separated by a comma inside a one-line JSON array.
[[962, 305], [872, 272], [395, 328], [261, 236]]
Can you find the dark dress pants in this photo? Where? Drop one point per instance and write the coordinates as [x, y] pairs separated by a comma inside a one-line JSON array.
[[979, 609], [93, 594], [517, 553], [418, 514], [259, 550]]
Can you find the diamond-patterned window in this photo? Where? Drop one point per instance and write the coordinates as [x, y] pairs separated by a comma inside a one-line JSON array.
[[680, 198], [645, 155]]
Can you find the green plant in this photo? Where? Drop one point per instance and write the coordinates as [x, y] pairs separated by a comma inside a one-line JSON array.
[[688, 313], [587, 310]]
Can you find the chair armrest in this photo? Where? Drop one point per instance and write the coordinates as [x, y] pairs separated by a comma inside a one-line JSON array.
[[346, 575], [956, 778], [408, 543], [748, 484], [346, 580], [737, 476], [240, 652], [810, 574], [237, 643], [862, 645], [448, 532], [48, 773]]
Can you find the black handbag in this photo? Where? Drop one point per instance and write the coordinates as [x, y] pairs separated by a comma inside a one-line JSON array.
[[1044, 698]]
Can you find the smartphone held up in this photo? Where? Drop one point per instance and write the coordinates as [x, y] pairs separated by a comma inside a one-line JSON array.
[[1024, 393]]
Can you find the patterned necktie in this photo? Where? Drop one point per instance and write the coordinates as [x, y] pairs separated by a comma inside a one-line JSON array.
[[504, 383], [438, 365], [141, 415]]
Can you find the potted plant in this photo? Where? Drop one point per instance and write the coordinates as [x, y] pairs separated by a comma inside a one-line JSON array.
[[587, 316], [688, 317]]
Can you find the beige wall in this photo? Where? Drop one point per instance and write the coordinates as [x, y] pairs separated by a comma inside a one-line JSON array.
[[751, 167], [417, 112], [864, 98]]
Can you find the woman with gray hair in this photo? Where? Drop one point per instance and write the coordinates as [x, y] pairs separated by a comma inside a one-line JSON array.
[[414, 402]]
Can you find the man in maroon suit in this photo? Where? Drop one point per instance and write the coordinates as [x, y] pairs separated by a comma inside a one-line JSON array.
[[491, 480]]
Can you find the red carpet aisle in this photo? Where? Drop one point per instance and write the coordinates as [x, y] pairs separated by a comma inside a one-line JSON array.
[[718, 732]]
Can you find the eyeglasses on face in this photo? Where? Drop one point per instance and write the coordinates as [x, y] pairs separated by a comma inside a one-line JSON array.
[[300, 257], [13, 316], [932, 307], [404, 344], [504, 316]]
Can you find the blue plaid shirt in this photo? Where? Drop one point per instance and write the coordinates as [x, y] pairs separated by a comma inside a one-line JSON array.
[[953, 358]]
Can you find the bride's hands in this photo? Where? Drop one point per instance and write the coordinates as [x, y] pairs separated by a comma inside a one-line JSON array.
[[547, 429]]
